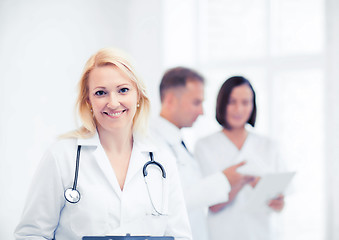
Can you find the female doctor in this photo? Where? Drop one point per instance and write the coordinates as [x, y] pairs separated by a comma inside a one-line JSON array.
[[106, 178], [236, 106]]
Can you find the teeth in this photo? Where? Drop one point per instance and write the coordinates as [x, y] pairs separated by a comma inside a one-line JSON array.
[[115, 114]]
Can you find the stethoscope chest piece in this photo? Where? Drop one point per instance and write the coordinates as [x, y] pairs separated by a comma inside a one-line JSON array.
[[72, 195]]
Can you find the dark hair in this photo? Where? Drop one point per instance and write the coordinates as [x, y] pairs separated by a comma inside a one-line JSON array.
[[177, 77], [224, 97]]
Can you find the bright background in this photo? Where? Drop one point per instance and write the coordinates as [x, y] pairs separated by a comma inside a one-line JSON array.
[[288, 49]]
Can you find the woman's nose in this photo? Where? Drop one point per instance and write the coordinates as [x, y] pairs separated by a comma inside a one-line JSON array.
[[113, 101], [238, 107]]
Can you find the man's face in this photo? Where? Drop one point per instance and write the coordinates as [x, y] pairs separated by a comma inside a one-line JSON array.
[[188, 104]]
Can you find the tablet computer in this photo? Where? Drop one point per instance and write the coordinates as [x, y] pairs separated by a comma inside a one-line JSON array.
[[269, 186]]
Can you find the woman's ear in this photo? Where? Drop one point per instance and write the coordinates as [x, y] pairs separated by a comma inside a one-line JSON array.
[[88, 103]]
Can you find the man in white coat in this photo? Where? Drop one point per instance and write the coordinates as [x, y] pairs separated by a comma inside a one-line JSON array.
[[182, 95]]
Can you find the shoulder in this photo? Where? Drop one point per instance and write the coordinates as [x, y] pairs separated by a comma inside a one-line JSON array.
[[160, 126], [261, 139], [164, 155], [208, 145], [58, 158], [161, 154], [162, 142], [210, 139], [263, 143], [164, 131], [63, 145], [159, 148], [61, 150]]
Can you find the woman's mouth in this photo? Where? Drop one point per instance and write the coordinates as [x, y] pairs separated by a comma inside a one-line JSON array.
[[115, 114]]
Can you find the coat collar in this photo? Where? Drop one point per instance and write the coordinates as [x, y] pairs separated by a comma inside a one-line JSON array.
[[168, 131], [142, 145], [91, 141]]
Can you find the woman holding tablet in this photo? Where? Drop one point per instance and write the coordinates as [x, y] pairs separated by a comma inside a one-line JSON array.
[[236, 107]]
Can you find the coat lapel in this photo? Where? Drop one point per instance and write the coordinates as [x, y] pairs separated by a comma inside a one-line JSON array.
[[106, 168], [101, 159], [139, 157]]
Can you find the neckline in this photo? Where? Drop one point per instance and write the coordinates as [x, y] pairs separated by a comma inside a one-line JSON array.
[[232, 143]]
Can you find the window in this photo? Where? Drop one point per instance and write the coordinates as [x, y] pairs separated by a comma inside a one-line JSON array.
[[279, 46]]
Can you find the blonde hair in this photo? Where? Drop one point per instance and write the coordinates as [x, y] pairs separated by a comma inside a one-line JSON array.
[[116, 58]]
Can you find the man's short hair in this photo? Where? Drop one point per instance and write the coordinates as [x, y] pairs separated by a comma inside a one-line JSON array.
[[178, 77]]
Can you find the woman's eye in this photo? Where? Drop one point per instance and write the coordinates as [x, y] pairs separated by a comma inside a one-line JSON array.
[[246, 103], [123, 90], [231, 102], [100, 93]]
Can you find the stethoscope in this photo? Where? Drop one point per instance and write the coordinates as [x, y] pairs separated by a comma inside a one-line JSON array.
[[72, 194]]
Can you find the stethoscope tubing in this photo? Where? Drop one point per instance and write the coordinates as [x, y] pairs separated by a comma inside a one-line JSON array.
[[72, 195], [77, 168], [163, 173], [144, 170]]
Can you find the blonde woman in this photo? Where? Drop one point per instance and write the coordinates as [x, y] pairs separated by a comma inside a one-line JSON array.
[[92, 181]]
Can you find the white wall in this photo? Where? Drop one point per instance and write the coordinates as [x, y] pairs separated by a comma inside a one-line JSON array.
[[43, 48], [332, 119], [144, 40]]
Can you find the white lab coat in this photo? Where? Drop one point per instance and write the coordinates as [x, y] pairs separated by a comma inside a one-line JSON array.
[[199, 192], [235, 221], [103, 208]]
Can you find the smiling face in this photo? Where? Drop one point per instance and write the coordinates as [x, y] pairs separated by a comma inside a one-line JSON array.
[[239, 107], [113, 98]]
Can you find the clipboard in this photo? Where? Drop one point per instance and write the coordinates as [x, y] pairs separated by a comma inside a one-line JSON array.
[[127, 237]]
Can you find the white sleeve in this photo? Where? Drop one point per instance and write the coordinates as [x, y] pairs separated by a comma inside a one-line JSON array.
[[208, 191], [178, 223], [211, 189], [44, 202], [203, 156]]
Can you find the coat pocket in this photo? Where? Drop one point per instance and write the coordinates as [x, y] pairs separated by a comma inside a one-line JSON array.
[[90, 215]]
